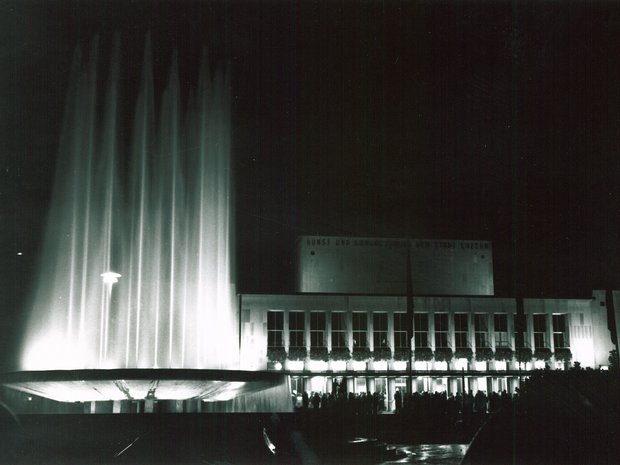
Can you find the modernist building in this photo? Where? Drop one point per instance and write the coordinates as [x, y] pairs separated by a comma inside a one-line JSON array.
[[350, 322]]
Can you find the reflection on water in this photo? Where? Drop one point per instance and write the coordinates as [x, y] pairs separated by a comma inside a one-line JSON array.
[[374, 451], [444, 454]]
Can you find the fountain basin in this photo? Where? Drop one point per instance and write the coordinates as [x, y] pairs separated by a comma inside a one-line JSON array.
[[145, 384]]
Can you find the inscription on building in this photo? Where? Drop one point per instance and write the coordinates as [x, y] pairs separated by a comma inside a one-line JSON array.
[[417, 243]]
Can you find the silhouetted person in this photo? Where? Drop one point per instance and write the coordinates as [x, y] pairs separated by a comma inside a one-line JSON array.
[[316, 400], [398, 400], [480, 403]]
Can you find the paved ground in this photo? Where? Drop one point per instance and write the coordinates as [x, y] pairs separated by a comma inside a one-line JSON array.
[[202, 439]]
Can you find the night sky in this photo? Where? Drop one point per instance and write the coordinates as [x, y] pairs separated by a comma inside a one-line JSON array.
[[457, 120]]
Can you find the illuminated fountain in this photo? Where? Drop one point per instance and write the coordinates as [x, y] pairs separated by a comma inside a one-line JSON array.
[[157, 211]]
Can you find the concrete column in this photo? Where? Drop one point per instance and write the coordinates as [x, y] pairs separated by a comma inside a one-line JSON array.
[[419, 384], [328, 331], [453, 386], [529, 333], [390, 394], [149, 406], [189, 406], [431, 330], [285, 335], [350, 384], [116, 406], [370, 385], [329, 385], [551, 345], [307, 330]]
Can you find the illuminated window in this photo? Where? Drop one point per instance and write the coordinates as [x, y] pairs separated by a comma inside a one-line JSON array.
[[296, 329], [400, 331], [501, 330], [560, 339], [317, 329], [540, 331], [339, 334], [461, 330], [420, 326], [441, 330], [481, 329], [275, 328], [360, 329], [379, 330]]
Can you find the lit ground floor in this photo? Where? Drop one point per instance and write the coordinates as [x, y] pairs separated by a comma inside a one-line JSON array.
[[385, 386]]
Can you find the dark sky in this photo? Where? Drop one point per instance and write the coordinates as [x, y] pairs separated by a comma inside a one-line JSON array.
[[462, 120]]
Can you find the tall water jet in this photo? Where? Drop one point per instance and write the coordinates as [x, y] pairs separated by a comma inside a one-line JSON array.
[[157, 210]]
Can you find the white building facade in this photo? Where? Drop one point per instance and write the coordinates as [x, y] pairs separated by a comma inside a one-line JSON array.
[[371, 340]]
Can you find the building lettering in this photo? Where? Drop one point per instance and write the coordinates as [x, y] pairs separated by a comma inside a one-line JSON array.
[[395, 243]]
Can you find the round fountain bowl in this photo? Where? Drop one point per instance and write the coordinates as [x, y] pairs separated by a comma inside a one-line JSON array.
[[145, 384]]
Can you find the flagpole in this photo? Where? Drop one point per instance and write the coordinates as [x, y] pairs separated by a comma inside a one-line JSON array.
[[409, 320]]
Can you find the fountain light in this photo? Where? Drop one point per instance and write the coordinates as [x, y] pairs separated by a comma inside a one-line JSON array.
[[110, 277]]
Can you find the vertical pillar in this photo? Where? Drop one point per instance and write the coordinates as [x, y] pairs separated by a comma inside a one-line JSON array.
[[191, 405], [528, 333], [116, 406], [329, 384], [370, 385], [350, 384], [149, 406], [390, 394], [419, 384], [453, 386]]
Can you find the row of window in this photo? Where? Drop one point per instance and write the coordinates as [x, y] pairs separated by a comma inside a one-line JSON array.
[[359, 322]]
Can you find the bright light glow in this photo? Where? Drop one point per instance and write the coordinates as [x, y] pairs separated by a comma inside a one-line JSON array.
[[441, 365], [19, 253], [421, 366], [53, 351], [501, 364], [359, 366], [381, 365], [339, 365], [317, 365], [400, 365], [171, 233], [604, 367], [583, 352], [295, 365], [317, 383], [481, 366], [439, 387], [461, 364], [268, 443], [110, 277], [277, 366], [539, 364], [226, 391]]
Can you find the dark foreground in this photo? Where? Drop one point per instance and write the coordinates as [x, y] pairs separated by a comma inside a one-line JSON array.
[[218, 439]]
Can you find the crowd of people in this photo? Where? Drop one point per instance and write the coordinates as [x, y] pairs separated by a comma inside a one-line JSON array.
[[364, 403], [451, 406]]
